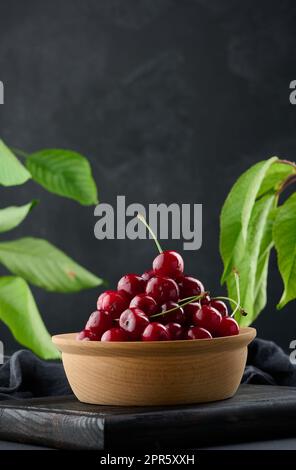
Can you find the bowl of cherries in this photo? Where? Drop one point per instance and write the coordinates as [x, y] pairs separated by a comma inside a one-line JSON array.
[[158, 339]]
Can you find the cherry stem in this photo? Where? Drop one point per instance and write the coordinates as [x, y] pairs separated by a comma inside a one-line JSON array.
[[220, 297], [192, 299], [235, 302], [236, 277], [143, 220]]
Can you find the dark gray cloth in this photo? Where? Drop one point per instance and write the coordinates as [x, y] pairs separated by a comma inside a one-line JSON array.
[[268, 364], [25, 376]]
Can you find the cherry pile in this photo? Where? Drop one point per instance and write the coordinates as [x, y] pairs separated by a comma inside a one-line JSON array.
[[163, 304]]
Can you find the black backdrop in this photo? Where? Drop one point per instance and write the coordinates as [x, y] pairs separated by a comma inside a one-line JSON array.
[[170, 100]]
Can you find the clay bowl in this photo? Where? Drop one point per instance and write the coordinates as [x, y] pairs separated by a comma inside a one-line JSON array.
[[154, 373]]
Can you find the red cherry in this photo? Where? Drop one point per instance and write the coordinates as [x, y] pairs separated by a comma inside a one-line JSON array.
[[190, 310], [176, 316], [208, 318], [131, 285], [101, 298], [155, 332], [228, 327], [113, 302], [148, 275], [134, 322], [145, 303], [189, 286], [197, 333], [98, 322], [87, 335], [168, 264], [115, 334], [162, 289], [205, 300], [220, 306], [175, 331]]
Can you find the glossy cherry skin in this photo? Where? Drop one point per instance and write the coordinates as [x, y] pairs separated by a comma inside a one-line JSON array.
[[205, 300], [134, 322], [190, 310], [148, 275], [168, 264], [155, 332], [176, 316], [162, 289], [98, 322], [131, 285], [144, 302], [113, 302], [197, 332], [87, 335], [175, 330], [208, 318], [115, 334], [189, 286], [220, 306], [228, 327]]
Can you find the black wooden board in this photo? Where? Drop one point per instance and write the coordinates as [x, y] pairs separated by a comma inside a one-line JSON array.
[[256, 412]]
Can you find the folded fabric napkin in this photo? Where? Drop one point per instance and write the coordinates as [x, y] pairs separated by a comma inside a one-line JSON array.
[[268, 364], [24, 375]]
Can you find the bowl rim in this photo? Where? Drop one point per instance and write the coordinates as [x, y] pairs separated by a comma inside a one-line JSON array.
[[67, 343]]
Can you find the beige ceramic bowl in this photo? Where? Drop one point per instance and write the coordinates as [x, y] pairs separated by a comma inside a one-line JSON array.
[[154, 373]]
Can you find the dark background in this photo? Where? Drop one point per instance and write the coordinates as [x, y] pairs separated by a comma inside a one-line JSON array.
[[170, 101]]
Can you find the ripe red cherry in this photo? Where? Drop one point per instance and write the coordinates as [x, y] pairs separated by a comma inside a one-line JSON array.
[[162, 289], [87, 335], [176, 316], [205, 300], [197, 333], [134, 322], [190, 310], [148, 275], [168, 264], [113, 302], [145, 303], [115, 334], [208, 318], [155, 332], [131, 285], [220, 306], [189, 286], [228, 327], [98, 322], [175, 331]]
